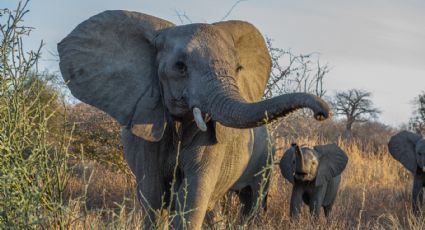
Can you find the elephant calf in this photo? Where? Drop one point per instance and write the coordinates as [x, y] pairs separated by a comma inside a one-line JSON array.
[[409, 149], [315, 175]]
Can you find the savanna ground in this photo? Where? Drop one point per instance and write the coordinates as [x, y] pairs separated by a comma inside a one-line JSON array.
[[374, 194], [62, 167]]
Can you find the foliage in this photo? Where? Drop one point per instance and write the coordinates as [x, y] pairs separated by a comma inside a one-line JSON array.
[[417, 121], [96, 135], [33, 170]]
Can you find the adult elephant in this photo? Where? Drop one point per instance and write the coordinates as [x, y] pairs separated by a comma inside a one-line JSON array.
[[185, 92]]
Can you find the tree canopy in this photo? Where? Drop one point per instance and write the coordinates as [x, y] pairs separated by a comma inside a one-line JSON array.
[[356, 106]]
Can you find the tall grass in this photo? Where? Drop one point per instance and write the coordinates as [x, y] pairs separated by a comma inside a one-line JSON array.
[[374, 194], [43, 187]]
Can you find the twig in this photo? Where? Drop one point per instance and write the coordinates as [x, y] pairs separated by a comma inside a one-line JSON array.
[[231, 9]]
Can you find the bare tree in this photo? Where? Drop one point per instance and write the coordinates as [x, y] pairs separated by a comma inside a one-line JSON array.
[[295, 73], [356, 106], [417, 121]]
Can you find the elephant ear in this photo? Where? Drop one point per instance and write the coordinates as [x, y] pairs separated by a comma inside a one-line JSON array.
[[254, 58], [286, 165], [108, 61], [402, 147], [332, 161]]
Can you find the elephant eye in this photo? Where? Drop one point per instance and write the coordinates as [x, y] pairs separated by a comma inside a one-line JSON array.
[[181, 66]]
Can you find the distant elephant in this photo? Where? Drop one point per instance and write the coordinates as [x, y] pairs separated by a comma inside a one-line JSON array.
[[187, 97], [315, 175], [409, 149]]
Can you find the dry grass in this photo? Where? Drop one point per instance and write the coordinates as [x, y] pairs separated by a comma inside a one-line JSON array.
[[374, 194]]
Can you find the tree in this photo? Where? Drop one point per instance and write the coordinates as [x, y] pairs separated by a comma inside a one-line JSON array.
[[356, 106], [417, 121], [294, 73]]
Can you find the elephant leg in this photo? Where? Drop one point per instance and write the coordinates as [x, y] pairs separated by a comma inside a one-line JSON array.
[[246, 198], [315, 206], [201, 175], [153, 195], [328, 211], [151, 204], [296, 199], [417, 193], [192, 202], [253, 198], [144, 160], [317, 201]]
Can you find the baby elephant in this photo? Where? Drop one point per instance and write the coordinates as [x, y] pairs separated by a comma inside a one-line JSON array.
[[409, 149], [315, 174]]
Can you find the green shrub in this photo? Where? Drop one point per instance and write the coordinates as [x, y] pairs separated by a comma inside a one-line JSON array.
[[33, 170]]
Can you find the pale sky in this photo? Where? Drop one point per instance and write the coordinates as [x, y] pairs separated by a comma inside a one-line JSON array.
[[375, 45]]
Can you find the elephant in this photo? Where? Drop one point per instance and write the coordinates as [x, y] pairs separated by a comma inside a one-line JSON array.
[[315, 174], [253, 185], [409, 149], [187, 97]]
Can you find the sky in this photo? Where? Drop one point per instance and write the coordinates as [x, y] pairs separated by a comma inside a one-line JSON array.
[[377, 45]]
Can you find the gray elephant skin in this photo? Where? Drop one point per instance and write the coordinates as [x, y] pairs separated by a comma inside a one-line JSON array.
[[188, 98], [253, 185], [409, 149], [315, 174]]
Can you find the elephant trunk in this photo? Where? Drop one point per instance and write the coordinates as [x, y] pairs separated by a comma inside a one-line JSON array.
[[299, 167], [230, 109]]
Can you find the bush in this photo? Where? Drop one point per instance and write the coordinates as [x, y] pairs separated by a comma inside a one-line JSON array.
[[96, 135], [33, 170]]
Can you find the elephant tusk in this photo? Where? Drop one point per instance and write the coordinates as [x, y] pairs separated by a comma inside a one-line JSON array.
[[199, 120]]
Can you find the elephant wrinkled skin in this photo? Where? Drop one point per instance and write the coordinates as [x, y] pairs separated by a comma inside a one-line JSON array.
[[197, 86], [315, 175], [253, 185]]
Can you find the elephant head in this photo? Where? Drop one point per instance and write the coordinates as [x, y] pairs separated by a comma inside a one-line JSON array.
[[409, 149], [319, 164], [141, 69]]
